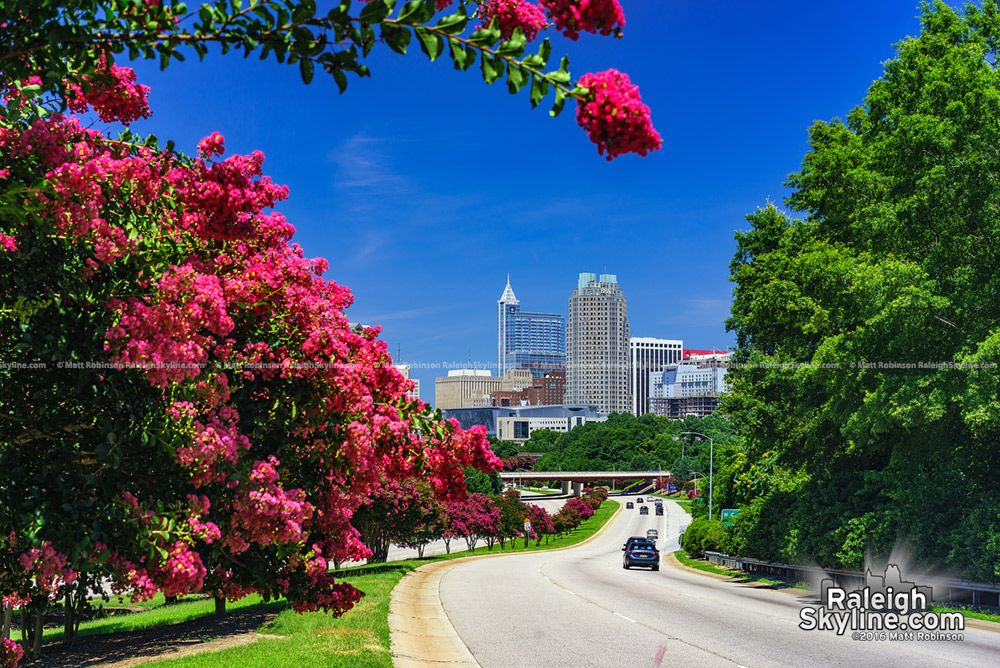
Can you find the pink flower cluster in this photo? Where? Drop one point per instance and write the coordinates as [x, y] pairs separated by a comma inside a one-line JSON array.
[[223, 200], [48, 568], [113, 93], [8, 243], [322, 593], [266, 514], [10, 653], [182, 571], [511, 14], [216, 443], [593, 16], [211, 145], [615, 117], [167, 334], [129, 578]]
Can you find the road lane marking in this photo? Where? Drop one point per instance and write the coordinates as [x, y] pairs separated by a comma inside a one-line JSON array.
[[625, 618]]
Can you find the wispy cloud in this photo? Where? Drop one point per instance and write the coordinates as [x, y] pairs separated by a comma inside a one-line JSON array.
[[405, 314], [362, 162]]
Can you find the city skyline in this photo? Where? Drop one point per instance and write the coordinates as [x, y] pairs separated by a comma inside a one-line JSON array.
[[381, 186]]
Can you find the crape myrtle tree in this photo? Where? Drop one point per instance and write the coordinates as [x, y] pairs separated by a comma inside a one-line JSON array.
[[182, 405], [868, 331], [472, 518], [541, 523], [404, 512]]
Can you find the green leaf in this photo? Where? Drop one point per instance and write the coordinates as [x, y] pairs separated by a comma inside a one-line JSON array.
[[486, 36], [341, 79], [514, 46], [377, 10], [431, 43], [515, 78], [539, 89], [562, 74], [492, 70], [398, 38], [455, 23], [417, 11], [304, 11], [459, 55], [306, 69], [560, 102]]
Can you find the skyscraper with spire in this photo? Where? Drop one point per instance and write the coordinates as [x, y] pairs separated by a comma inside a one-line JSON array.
[[528, 340]]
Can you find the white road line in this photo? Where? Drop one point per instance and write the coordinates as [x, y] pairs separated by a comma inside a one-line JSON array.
[[625, 618], [568, 591]]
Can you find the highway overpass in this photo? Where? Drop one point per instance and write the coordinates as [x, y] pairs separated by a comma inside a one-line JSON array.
[[574, 479]]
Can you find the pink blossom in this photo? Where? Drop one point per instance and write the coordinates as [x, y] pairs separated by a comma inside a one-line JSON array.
[[211, 145], [113, 94], [615, 117], [511, 14], [8, 243], [593, 16], [10, 653], [48, 568]]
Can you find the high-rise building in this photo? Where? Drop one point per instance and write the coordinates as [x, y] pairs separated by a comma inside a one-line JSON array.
[[597, 335], [414, 392], [528, 340], [647, 355]]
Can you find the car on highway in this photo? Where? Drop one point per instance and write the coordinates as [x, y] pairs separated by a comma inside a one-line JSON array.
[[658, 501], [632, 539], [629, 505], [639, 499], [641, 553], [644, 510], [652, 534], [659, 510]]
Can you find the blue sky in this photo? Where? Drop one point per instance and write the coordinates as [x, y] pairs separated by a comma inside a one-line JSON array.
[[424, 187]]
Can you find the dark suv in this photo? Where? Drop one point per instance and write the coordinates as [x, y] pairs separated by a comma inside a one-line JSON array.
[[629, 505], [641, 552], [644, 510]]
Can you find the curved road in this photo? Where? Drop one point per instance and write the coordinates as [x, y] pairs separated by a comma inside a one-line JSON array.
[[579, 608]]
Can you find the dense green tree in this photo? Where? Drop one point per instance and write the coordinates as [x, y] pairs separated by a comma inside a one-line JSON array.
[[867, 333]]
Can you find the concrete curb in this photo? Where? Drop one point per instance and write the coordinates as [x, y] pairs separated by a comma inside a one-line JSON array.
[[421, 635]]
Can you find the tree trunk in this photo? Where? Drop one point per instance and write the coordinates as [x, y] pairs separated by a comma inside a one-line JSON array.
[[8, 612], [169, 600], [36, 645], [69, 614], [420, 550], [447, 545], [220, 606]]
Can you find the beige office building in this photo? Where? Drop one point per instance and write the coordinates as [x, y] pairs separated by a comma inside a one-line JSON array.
[[471, 388], [597, 344]]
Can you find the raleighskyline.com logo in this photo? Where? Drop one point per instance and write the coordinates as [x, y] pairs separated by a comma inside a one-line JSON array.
[[885, 608]]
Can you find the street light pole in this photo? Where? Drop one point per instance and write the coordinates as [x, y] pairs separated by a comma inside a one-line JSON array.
[[711, 463]]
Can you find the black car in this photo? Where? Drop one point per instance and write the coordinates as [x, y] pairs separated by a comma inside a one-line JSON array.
[[644, 510], [639, 499], [629, 505], [659, 510], [641, 553]]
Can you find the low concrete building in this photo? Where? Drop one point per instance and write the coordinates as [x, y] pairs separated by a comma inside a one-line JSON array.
[[515, 423]]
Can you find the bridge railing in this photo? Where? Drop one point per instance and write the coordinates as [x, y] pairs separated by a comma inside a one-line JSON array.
[[944, 589]]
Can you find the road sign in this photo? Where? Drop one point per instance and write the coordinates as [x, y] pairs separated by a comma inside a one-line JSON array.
[[527, 526], [728, 514]]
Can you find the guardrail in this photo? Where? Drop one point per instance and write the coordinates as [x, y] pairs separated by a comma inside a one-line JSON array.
[[952, 590]]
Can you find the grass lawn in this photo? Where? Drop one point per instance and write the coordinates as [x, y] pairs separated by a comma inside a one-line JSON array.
[[358, 639]]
